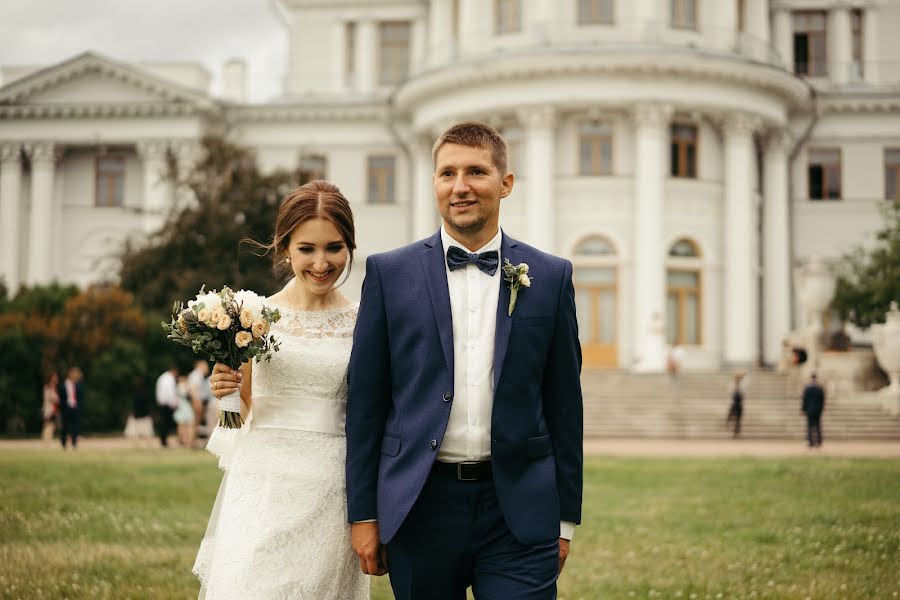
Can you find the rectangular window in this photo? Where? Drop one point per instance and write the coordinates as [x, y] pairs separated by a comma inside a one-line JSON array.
[[856, 28], [684, 151], [683, 14], [683, 307], [892, 173], [110, 189], [312, 167], [394, 52], [382, 179], [508, 16], [742, 20], [810, 43], [824, 174], [595, 12], [595, 149], [350, 51]]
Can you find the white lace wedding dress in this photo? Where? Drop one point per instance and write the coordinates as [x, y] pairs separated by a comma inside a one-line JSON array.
[[278, 529]]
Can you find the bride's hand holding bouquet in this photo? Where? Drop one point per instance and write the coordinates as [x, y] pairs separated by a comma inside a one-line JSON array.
[[230, 328]]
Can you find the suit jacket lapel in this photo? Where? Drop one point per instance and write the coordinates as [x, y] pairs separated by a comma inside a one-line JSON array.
[[508, 249], [434, 265]]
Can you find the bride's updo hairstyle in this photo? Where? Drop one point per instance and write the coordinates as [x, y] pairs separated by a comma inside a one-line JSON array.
[[316, 199]]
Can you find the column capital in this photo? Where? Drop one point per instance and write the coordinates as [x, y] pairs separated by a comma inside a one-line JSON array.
[[652, 114], [740, 124], [41, 152], [152, 149], [10, 152], [778, 140], [537, 116]]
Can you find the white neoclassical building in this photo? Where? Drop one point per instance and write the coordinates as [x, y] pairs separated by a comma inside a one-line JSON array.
[[687, 155]]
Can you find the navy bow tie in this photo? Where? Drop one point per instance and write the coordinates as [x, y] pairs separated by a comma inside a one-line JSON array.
[[487, 262]]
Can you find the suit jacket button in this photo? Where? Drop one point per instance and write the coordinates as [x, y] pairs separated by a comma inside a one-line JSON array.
[[433, 444], [448, 396]]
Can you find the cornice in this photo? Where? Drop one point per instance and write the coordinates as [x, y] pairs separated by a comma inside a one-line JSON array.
[[305, 112], [118, 110], [862, 102], [632, 62]]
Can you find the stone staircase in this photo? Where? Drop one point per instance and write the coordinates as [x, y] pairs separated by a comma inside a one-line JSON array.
[[628, 405]]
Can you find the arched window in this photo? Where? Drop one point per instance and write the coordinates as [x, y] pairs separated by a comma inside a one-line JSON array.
[[683, 294], [596, 300]]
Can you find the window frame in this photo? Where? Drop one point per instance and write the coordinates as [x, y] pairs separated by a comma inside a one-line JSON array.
[[815, 67], [857, 42], [514, 24], [350, 31], [678, 15], [895, 167], [111, 179], [825, 173], [596, 12], [386, 186], [301, 170], [390, 73], [596, 140], [681, 294], [682, 151]]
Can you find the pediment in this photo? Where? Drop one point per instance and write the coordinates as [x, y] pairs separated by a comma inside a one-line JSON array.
[[90, 79]]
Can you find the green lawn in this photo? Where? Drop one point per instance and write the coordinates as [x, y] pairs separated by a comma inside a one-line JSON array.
[[126, 524]]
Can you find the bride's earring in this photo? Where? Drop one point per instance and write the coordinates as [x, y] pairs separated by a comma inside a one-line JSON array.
[[288, 259]]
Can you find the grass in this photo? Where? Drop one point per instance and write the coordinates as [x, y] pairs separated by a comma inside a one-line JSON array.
[[126, 524]]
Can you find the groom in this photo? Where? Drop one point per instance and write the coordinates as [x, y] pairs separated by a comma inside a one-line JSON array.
[[464, 422]]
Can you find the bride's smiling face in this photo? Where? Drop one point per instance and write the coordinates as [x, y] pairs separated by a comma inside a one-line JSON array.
[[318, 255]]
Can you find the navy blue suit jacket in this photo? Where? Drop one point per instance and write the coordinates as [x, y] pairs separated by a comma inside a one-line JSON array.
[[401, 390]]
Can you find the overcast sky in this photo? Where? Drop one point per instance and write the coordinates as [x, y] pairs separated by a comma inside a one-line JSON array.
[[207, 31]]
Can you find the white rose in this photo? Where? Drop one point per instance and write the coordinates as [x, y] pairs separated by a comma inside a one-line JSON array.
[[522, 267], [246, 318], [524, 281], [249, 300], [224, 323], [243, 339]]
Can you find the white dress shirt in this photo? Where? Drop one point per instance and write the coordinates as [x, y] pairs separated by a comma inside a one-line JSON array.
[[167, 390], [473, 305]]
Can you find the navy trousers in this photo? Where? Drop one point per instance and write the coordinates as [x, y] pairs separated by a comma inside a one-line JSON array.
[[455, 537]]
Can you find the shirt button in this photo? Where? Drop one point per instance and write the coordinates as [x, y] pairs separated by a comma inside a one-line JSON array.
[[448, 396], [433, 444]]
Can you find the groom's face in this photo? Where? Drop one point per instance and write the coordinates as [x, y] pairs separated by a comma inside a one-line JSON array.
[[468, 188]]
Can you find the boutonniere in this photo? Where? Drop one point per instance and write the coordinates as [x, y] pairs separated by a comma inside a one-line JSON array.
[[517, 277]]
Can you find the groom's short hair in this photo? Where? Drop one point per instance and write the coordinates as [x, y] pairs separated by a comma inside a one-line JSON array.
[[476, 135]]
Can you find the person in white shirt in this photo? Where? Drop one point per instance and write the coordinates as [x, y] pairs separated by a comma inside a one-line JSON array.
[[167, 400]]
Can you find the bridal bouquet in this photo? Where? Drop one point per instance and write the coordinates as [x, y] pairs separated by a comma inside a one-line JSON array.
[[229, 327]]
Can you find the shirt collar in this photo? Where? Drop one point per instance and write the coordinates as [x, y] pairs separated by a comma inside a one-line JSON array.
[[495, 243]]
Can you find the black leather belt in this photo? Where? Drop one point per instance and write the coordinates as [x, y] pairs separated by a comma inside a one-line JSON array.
[[465, 471]]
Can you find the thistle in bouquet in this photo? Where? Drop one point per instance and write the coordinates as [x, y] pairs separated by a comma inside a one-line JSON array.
[[230, 328]]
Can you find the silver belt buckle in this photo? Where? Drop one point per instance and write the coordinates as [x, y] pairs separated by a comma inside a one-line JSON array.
[[459, 472]]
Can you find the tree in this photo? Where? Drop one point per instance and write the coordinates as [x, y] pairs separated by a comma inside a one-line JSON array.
[[869, 278], [201, 243]]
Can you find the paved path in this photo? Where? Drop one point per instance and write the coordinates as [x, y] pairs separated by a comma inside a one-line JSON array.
[[605, 447]]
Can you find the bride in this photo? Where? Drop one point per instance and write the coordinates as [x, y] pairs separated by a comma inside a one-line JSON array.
[[278, 528]]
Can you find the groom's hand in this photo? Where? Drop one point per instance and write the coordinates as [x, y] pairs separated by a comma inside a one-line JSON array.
[[563, 552], [372, 555]]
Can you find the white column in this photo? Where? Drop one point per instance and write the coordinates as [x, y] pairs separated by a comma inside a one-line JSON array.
[[418, 46], [783, 36], [870, 45], [725, 33], [187, 152], [538, 18], [840, 51], [339, 56], [776, 257], [425, 220], [40, 231], [10, 203], [157, 191], [651, 133], [440, 32], [366, 56], [740, 293], [475, 24], [757, 20], [540, 132]]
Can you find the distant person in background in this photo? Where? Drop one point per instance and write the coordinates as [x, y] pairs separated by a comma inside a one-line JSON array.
[[813, 407], [184, 414], [71, 401], [50, 407], [167, 400], [736, 411], [673, 362], [200, 394], [140, 422]]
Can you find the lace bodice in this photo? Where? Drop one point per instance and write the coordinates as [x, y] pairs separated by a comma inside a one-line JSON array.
[[304, 385]]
